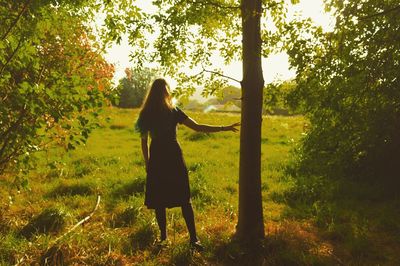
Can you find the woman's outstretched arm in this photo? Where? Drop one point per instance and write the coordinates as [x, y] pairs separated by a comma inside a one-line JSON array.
[[145, 149], [190, 123]]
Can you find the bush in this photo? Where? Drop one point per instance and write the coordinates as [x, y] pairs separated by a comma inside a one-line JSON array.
[[133, 87], [348, 86]]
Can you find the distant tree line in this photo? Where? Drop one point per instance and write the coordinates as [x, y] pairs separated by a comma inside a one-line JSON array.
[[133, 87]]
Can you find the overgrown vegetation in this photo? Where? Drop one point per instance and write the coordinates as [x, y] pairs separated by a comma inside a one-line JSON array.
[[348, 86], [307, 220], [53, 79]]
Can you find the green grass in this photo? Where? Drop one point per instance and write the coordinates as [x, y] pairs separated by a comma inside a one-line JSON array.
[[308, 221]]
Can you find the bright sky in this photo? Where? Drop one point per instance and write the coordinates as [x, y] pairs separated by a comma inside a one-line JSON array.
[[274, 67]]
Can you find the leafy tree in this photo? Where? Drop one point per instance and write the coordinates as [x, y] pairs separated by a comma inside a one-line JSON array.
[[230, 94], [276, 96], [53, 78], [191, 32], [133, 87], [348, 85], [227, 95]]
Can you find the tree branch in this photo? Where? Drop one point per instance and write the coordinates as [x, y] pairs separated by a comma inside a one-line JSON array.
[[54, 254], [17, 151], [81, 221], [219, 5], [213, 3], [222, 75], [11, 56], [24, 8], [15, 124], [384, 12]]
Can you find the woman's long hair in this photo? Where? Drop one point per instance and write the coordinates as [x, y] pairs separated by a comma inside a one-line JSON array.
[[156, 106]]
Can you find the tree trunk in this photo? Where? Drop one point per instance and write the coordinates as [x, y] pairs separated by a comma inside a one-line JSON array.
[[250, 227]]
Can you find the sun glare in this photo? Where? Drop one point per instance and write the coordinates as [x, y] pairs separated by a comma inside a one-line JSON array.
[[276, 66]]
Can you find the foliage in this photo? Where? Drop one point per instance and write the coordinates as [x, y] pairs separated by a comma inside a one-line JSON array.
[[132, 88], [53, 78], [276, 96], [192, 33], [230, 95], [348, 85], [227, 95]]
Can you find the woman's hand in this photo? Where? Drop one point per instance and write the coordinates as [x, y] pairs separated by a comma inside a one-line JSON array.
[[232, 127]]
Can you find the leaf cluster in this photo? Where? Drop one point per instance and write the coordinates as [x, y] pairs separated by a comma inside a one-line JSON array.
[[192, 33], [53, 78], [348, 86], [133, 87]]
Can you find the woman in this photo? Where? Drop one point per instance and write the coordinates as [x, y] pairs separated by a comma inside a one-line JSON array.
[[167, 183]]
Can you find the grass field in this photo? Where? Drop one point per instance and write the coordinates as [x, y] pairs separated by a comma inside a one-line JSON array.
[[307, 221]]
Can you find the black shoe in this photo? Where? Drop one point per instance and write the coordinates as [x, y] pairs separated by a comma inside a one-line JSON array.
[[196, 245]]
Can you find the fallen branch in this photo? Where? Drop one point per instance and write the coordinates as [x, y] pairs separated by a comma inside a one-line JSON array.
[[81, 221], [55, 254]]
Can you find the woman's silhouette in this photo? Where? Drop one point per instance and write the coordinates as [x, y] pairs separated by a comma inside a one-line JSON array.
[[167, 183]]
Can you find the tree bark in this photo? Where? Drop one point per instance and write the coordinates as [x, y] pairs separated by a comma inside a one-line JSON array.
[[250, 227]]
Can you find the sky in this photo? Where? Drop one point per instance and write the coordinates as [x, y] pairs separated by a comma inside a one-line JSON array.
[[276, 66]]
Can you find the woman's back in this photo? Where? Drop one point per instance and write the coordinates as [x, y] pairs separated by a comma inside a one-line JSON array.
[[162, 126]]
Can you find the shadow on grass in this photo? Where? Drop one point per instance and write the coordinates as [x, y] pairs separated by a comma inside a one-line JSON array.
[[287, 244], [359, 219], [51, 220], [126, 190], [141, 239], [126, 217], [118, 127], [80, 189], [181, 254]]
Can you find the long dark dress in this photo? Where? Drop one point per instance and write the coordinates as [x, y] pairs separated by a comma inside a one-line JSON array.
[[167, 182]]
